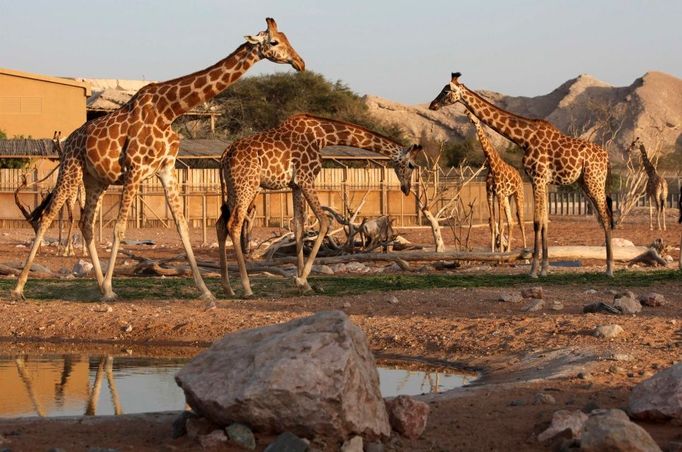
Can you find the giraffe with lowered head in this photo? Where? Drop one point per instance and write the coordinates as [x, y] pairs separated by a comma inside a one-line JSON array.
[[656, 188], [550, 157], [136, 142], [288, 156], [503, 181]]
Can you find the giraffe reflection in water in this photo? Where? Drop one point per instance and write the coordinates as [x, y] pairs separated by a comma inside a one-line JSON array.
[[73, 368]]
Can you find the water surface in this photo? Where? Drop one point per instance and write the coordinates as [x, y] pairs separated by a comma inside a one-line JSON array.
[[69, 385]]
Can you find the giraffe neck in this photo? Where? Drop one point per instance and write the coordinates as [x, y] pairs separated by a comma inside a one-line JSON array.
[[176, 97], [648, 166], [493, 159], [344, 134], [503, 122]]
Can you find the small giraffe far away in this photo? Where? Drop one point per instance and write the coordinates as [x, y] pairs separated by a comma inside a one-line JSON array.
[[656, 188], [33, 217], [503, 181], [288, 156], [136, 142], [550, 157]]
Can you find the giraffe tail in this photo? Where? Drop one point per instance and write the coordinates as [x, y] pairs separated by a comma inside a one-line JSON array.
[[609, 208], [224, 214]]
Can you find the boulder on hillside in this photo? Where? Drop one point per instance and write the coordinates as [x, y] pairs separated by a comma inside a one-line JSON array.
[[313, 376], [659, 397]]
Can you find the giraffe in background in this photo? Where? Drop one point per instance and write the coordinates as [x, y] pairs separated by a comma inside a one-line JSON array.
[[136, 141], [33, 217], [502, 182], [656, 188], [550, 157], [288, 156]]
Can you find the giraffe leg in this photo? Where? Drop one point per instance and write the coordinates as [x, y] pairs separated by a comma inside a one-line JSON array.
[[510, 221], [60, 221], [59, 195], [518, 199], [299, 226], [234, 226], [491, 221], [539, 206], [651, 213], [170, 185], [221, 232], [68, 249], [596, 193], [662, 213], [500, 225], [91, 205], [314, 202]]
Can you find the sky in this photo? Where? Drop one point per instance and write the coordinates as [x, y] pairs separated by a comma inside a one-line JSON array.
[[397, 49]]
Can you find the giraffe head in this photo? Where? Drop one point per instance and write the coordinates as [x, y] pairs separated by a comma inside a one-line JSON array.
[[56, 143], [403, 163], [450, 94], [274, 45]]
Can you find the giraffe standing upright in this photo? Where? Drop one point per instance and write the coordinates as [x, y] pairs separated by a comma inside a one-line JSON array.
[[656, 188], [136, 142], [288, 156], [503, 181], [550, 157]]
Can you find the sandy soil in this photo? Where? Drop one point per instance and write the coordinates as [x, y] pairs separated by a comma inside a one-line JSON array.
[[519, 354]]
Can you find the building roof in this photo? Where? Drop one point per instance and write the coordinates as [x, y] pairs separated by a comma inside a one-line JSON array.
[[189, 148], [47, 78]]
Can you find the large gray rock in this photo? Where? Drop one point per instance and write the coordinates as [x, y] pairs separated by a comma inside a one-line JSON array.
[[313, 376], [628, 305], [659, 397], [612, 430]]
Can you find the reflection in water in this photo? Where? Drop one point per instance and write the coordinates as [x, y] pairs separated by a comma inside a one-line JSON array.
[[69, 385]]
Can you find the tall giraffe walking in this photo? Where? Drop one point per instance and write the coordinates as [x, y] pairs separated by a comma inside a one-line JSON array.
[[503, 182], [136, 141], [288, 156], [656, 188], [550, 157]]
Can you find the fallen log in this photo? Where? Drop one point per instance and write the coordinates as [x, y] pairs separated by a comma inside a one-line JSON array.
[[406, 256], [620, 253]]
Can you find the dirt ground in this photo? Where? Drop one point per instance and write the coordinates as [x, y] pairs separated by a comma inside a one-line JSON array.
[[519, 354]]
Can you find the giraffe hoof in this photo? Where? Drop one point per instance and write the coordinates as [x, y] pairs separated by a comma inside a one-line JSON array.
[[210, 305], [533, 275], [16, 295], [111, 296], [228, 291], [207, 297], [248, 296]]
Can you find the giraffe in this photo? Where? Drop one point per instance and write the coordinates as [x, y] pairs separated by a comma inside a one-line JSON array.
[[288, 156], [656, 188], [502, 182], [550, 157], [136, 141], [33, 217]]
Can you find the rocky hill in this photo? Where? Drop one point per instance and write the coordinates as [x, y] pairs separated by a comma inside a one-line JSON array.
[[651, 108]]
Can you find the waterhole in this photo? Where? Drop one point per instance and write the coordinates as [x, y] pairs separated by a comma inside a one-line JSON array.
[[71, 385]]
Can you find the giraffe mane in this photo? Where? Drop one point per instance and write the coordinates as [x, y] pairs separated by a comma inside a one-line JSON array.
[[483, 99], [345, 123]]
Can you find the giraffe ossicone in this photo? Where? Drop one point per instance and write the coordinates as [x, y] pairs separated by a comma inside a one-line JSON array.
[[136, 142], [550, 157], [288, 157]]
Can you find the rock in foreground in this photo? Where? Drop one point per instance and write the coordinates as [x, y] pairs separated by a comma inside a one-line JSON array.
[[659, 397], [612, 430], [313, 376]]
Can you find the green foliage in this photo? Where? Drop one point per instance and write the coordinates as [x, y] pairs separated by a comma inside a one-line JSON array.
[[254, 104], [11, 163], [469, 150]]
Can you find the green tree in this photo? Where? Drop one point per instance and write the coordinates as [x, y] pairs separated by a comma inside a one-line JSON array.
[[258, 103], [11, 163]]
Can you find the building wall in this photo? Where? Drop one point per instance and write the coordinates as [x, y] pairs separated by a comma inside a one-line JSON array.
[[35, 106]]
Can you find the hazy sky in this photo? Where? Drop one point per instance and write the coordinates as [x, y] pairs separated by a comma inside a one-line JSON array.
[[402, 50]]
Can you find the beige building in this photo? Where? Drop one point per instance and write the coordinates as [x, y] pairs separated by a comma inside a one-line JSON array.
[[34, 105]]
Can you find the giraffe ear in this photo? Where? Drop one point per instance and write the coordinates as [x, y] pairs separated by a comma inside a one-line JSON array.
[[255, 39]]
